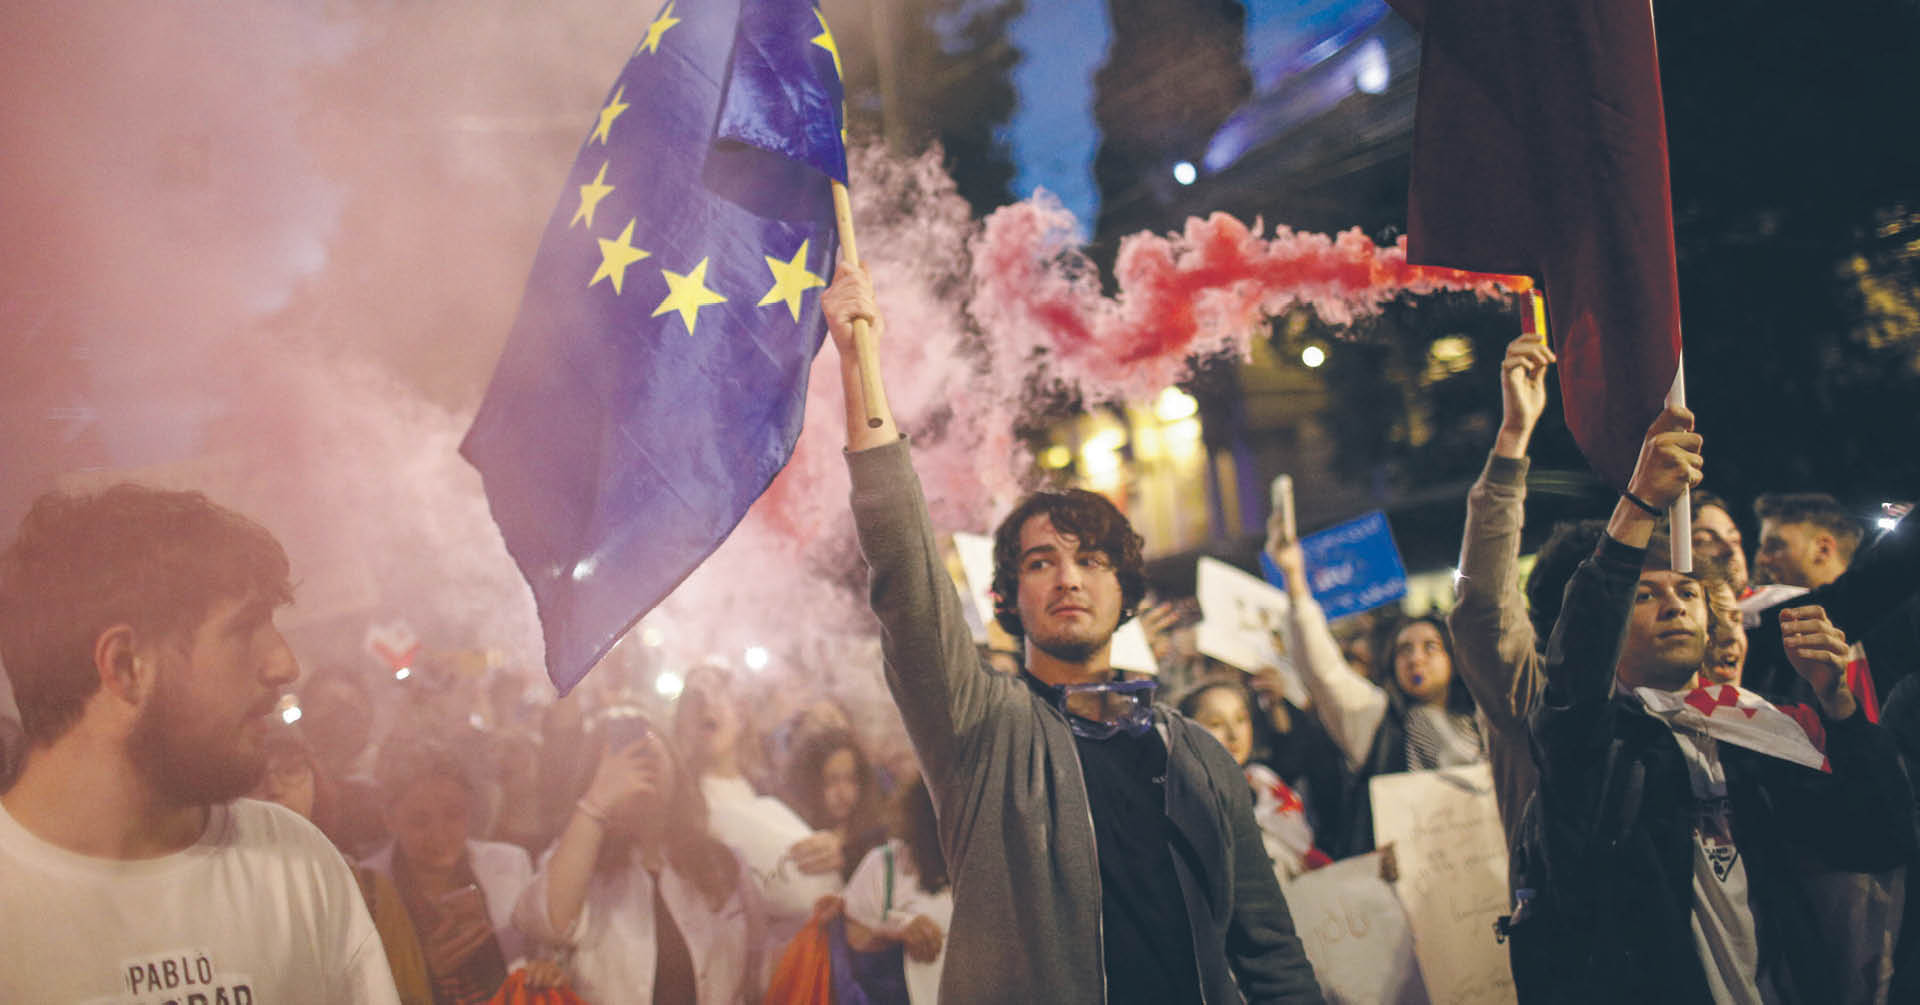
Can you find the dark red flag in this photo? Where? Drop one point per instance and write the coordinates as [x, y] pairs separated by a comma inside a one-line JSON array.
[[1540, 147]]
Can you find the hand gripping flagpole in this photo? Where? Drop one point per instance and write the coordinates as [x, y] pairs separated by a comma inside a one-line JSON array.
[[866, 356]]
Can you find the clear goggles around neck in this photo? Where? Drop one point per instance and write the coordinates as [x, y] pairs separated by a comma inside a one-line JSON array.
[[1102, 710]]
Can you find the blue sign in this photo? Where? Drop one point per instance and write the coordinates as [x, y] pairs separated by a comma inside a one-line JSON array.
[[1351, 567]]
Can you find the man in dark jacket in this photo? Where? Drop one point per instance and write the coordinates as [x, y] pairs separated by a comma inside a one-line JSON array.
[[1673, 816], [1102, 849]]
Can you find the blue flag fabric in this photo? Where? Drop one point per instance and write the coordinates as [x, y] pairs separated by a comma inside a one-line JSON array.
[[656, 377], [1351, 567]]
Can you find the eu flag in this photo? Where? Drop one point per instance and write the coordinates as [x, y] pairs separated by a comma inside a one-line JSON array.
[[656, 377]]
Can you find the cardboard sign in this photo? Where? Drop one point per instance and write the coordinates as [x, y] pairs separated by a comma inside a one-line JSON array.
[[1356, 934], [1452, 853], [1240, 614]]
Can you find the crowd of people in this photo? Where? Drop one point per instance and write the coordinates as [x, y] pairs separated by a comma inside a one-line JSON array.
[[1700, 774]]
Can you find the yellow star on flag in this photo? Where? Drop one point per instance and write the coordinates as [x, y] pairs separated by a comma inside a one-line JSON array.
[[615, 256], [790, 280], [657, 29], [590, 195], [608, 114], [825, 41], [688, 294]]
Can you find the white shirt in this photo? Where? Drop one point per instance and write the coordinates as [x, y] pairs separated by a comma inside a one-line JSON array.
[[260, 908], [867, 904], [760, 829], [613, 944], [1723, 928]]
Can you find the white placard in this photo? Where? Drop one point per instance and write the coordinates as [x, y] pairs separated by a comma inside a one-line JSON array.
[[1240, 613], [976, 559], [1131, 650], [1356, 934], [1446, 834]]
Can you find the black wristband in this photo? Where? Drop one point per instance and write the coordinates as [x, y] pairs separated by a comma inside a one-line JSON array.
[[1642, 503]]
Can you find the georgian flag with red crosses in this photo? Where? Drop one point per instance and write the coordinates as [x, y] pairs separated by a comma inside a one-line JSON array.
[[1732, 714]]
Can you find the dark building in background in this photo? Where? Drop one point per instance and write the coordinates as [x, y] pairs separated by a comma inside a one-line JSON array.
[[1175, 70]]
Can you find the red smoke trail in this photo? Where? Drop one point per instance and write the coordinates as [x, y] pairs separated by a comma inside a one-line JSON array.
[[1200, 292]]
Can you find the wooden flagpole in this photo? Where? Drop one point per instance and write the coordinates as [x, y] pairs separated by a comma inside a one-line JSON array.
[[866, 355]]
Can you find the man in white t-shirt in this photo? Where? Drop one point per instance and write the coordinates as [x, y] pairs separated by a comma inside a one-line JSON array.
[[137, 627]]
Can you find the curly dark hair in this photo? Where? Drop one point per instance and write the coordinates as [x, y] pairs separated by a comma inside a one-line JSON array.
[[1092, 520], [1567, 546], [865, 825], [156, 560]]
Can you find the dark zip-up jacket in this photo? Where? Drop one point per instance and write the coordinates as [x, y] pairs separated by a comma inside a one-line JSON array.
[[1618, 806]]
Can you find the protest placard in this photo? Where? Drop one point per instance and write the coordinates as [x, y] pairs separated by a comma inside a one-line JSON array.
[[1452, 852], [1351, 567], [1356, 934], [1240, 612], [976, 561]]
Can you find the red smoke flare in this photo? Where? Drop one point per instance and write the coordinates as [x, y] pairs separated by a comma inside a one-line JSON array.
[[1203, 291]]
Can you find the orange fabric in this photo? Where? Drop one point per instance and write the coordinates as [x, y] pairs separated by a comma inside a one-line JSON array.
[[516, 992], [805, 973]]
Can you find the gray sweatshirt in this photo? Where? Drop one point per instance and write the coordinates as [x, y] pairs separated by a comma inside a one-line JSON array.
[[1493, 640], [1014, 821]]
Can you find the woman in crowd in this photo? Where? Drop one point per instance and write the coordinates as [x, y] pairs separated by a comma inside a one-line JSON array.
[[792, 864], [899, 902], [646, 902], [459, 892], [293, 780], [1225, 709], [1420, 717], [833, 787]]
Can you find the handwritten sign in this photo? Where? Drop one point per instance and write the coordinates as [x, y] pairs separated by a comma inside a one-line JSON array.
[[1240, 614], [1452, 853], [1356, 934]]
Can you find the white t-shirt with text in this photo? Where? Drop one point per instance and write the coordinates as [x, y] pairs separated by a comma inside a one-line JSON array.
[[1723, 928], [262, 910]]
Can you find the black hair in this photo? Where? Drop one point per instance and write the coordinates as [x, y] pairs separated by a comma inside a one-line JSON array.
[[1459, 699], [1567, 546]]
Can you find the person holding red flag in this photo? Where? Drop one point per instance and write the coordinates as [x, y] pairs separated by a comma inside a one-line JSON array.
[[1672, 819]]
